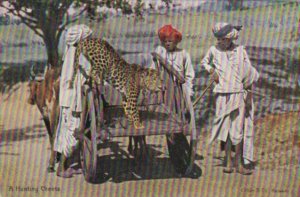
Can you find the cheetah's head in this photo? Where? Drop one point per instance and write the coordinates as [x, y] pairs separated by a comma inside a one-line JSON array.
[[151, 80]]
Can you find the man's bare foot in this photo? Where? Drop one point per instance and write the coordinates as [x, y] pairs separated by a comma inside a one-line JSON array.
[[30, 101], [76, 171], [50, 169], [68, 173], [243, 170], [228, 170]]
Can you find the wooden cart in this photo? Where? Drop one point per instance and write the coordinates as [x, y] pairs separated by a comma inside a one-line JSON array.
[[162, 113]]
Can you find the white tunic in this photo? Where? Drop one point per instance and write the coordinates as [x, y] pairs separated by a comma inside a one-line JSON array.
[[233, 68], [234, 106], [182, 63]]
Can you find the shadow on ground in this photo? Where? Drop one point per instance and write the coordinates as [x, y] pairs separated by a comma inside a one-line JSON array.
[[19, 134], [119, 166], [13, 73]]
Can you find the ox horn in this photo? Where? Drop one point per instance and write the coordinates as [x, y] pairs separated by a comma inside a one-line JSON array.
[[32, 73]]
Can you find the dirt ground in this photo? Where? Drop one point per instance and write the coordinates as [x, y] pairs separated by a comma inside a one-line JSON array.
[[24, 153]]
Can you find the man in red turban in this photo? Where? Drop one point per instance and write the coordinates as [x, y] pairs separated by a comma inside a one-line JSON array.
[[170, 33], [168, 53]]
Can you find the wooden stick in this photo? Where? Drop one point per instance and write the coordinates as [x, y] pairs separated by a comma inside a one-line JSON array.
[[205, 90]]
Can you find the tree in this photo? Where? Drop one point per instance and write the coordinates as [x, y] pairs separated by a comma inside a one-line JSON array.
[[235, 4], [49, 18], [167, 2], [138, 9]]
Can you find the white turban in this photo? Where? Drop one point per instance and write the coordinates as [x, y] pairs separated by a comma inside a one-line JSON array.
[[225, 30], [72, 97], [76, 33]]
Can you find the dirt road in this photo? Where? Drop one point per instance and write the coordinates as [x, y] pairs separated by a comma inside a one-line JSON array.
[[24, 152]]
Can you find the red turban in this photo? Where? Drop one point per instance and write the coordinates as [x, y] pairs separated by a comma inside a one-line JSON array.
[[169, 32]]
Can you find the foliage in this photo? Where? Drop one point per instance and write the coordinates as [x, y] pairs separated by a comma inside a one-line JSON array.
[[138, 9], [167, 2], [49, 18], [126, 7], [235, 4], [259, 30]]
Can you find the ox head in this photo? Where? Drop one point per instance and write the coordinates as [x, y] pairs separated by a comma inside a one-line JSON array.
[[37, 85], [32, 86]]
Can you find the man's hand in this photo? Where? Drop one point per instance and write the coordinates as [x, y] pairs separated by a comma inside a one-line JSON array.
[[157, 57], [168, 67], [214, 75], [154, 54]]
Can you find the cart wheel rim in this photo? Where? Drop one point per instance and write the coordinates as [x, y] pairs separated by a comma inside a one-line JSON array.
[[88, 159]]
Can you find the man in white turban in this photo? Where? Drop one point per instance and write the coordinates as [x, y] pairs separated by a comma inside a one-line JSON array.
[[234, 75], [70, 100]]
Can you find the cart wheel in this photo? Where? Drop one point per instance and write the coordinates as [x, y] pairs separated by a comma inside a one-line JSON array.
[[179, 150], [88, 150]]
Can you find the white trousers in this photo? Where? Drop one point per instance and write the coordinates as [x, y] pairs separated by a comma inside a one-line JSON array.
[[234, 119]]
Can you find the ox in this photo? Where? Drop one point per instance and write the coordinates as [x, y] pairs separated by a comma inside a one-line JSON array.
[[44, 92]]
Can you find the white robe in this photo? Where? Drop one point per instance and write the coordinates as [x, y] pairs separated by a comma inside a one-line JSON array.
[[70, 98], [70, 104], [234, 105]]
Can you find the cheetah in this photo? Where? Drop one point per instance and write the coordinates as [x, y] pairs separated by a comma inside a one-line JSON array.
[[128, 79]]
